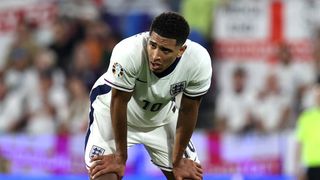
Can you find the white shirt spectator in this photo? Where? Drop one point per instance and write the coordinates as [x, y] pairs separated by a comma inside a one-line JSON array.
[[235, 109], [270, 110], [289, 78], [11, 110], [47, 106]]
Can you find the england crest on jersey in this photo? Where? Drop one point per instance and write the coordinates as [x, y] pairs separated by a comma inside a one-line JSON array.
[[96, 151], [177, 88]]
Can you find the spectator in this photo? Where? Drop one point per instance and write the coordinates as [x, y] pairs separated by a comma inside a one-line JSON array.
[[77, 119], [18, 72], [9, 100], [45, 60], [81, 66], [108, 40], [308, 99], [23, 39], [93, 42], [47, 107], [20, 55], [234, 108], [291, 76], [66, 34], [272, 109]]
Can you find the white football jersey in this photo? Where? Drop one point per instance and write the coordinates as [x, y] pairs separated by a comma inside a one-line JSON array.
[[152, 99]]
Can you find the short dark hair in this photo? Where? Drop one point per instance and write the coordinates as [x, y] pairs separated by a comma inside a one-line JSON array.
[[171, 25]]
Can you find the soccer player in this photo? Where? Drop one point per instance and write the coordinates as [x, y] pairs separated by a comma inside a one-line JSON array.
[[133, 102]]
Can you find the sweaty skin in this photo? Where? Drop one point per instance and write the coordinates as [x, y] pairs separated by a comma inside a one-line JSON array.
[[162, 52]]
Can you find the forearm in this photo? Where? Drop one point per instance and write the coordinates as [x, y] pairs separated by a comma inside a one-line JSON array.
[[119, 122], [183, 134], [187, 119]]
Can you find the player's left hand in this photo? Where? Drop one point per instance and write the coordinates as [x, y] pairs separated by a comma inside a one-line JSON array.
[[187, 169], [106, 164]]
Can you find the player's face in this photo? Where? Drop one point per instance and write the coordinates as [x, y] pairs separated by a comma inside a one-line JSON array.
[[162, 52]]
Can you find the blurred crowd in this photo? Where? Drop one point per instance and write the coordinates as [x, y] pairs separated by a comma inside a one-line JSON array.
[[46, 77], [266, 97]]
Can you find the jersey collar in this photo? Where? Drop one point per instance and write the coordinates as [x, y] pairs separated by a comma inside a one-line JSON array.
[[169, 69]]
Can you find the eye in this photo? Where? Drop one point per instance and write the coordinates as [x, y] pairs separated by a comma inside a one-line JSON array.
[[153, 45], [165, 51]]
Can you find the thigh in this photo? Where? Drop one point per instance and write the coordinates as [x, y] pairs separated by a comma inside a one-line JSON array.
[[100, 139], [159, 144]]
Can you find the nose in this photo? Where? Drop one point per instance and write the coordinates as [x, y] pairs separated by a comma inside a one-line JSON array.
[[156, 54]]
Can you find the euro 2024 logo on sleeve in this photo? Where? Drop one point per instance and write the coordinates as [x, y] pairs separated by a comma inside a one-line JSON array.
[[117, 70], [177, 88]]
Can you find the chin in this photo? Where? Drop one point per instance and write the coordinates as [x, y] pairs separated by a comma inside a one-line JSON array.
[[155, 70]]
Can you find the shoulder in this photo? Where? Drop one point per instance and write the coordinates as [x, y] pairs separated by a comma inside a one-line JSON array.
[[130, 51], [196, 46], [197, 56], [195, 49], [197, 52]]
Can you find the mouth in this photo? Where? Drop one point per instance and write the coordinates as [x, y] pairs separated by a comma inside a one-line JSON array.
[[155, 66]]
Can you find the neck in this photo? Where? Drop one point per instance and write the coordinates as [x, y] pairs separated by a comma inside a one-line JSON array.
[[169, 69]]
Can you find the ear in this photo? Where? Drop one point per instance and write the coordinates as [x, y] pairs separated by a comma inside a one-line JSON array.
[[181, 50]]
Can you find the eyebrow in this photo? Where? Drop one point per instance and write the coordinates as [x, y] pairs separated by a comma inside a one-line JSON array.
[[161, 47]]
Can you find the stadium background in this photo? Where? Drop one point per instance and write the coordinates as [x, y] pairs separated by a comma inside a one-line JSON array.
[[52, 51]]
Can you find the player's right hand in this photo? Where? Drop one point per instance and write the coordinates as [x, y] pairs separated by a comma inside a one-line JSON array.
[[187, 169], [111, 163]]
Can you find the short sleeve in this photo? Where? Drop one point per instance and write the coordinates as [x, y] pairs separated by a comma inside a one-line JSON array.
[[200, 77], [122, 70]]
